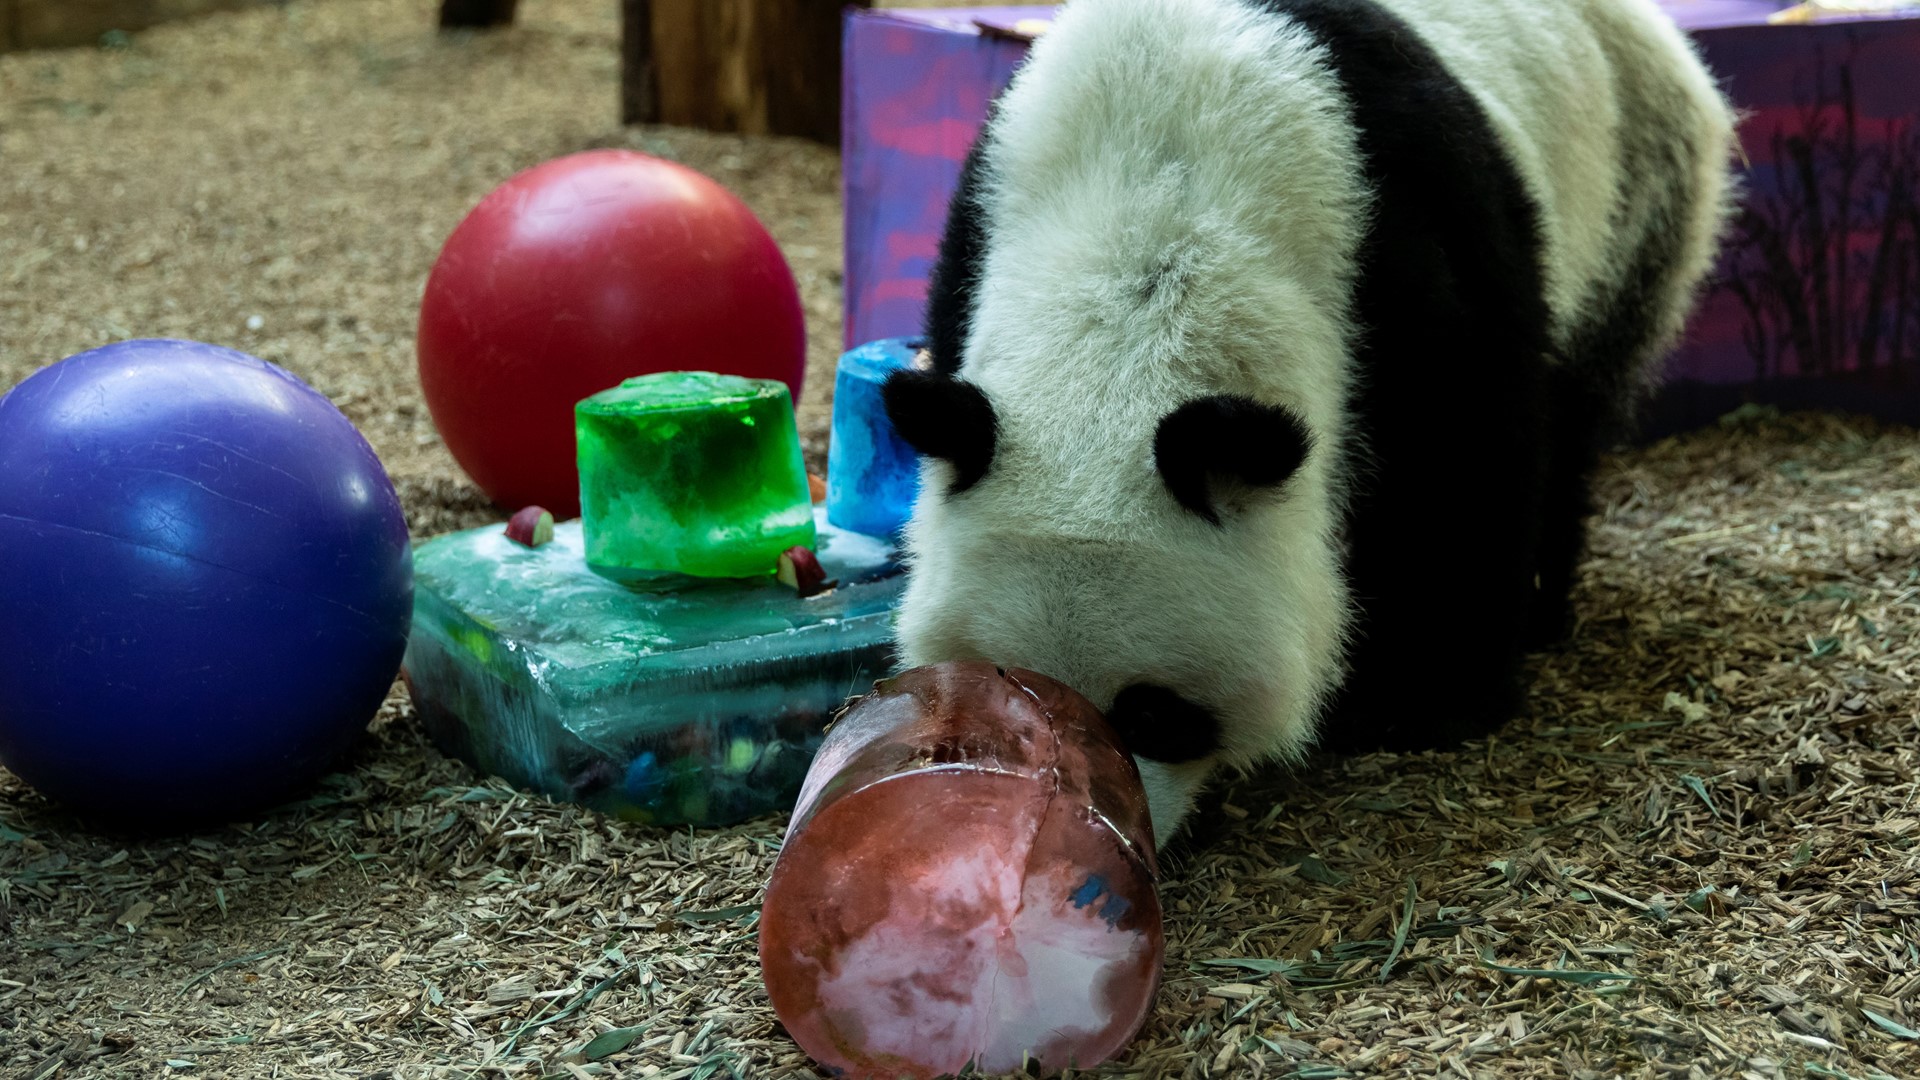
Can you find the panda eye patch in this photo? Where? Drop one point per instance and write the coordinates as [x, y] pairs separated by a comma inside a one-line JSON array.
[[946, 418], [1231, 438]]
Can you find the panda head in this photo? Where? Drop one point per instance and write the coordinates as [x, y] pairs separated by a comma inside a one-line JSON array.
[[1159, 549]]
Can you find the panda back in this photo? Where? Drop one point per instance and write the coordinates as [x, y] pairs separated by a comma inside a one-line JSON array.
[[1622, 140]]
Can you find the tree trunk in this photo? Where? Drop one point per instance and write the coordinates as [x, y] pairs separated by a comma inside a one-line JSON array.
[[757, 67], [475, 14]]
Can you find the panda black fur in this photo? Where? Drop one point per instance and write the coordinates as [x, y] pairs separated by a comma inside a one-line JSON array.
[[1273, 344]]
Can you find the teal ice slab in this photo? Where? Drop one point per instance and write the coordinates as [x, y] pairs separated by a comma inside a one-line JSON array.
[[686, 701]]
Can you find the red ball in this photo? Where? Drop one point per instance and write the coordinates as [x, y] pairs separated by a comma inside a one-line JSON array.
[[577, 274]]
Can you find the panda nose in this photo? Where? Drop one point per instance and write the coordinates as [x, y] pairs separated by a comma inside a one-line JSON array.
[[1160, 725]]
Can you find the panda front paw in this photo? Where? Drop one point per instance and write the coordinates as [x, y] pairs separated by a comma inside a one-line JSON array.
[[1159, 725]]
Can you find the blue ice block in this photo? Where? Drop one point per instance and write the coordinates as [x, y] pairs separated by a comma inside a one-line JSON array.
[[872, 476], [677, 701]]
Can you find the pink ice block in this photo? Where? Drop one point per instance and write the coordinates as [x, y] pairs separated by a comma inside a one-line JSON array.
[[968, 877]]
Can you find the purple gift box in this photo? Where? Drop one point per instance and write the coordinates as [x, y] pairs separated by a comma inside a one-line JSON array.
[[1816, 302]]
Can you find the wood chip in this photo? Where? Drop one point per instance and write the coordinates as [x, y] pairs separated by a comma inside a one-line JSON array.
[[508, 992]]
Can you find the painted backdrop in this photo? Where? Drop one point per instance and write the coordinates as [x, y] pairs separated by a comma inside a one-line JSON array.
[[1816, 302]]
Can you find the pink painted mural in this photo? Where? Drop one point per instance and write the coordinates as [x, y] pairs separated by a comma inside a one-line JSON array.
[[1817, 302]]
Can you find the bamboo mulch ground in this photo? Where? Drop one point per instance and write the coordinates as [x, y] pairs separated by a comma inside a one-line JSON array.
[[1695, 858]]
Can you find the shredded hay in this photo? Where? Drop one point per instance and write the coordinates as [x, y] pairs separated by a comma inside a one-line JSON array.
[[1695, 858]]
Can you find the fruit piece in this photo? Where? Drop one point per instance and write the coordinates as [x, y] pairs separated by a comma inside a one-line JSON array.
[[531, 526], [816, 488], [800, 570]]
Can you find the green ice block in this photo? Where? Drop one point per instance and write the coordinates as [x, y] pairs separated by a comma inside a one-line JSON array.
[[694, 473]]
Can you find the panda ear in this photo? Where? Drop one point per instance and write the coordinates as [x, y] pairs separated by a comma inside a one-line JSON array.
[[1228, 438], [943, 417]]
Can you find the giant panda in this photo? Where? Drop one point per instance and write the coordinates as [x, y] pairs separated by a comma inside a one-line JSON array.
[[1271, 344]]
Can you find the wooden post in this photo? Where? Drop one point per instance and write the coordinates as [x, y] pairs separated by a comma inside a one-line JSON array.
[[800, 54], [476, 14], [752, 66], [639, 84]]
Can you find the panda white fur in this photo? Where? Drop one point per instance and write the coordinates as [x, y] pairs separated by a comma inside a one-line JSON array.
[[1273, 342]]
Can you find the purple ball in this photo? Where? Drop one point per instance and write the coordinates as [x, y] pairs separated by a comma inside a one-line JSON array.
[[206, 583]]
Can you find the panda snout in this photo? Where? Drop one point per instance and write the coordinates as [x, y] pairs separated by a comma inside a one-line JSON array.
[[1159, 724]]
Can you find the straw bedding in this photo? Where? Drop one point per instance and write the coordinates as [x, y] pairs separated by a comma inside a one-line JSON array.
[[1694, 857]]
